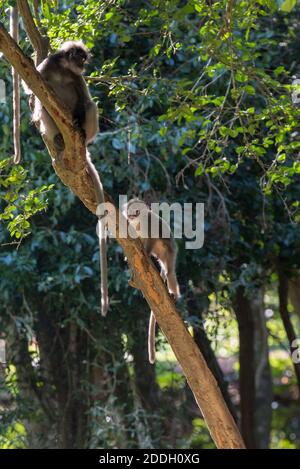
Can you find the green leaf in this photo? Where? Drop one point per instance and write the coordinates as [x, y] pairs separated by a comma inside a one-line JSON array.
[[156, 49], [288, 5], [279, 70], [296, 167], [281, 158], [163, 131], [249, 89], [200, 170], [109, 15]]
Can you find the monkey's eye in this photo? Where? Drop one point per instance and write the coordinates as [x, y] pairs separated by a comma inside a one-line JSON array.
[[137, 213]]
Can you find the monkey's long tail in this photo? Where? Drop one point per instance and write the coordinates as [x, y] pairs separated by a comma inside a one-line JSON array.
[[99, 193], [151, 338], [103, 268]]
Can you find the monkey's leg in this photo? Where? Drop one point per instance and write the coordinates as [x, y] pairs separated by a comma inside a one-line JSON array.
[[48, 128], [168, 273], [151, 338], [173, 285]]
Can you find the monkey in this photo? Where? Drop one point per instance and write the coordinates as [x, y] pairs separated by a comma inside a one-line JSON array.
[[14, 32], [62, 71], [163, 248]]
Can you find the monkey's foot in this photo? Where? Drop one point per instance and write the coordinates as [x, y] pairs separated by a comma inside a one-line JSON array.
[[174, 296]]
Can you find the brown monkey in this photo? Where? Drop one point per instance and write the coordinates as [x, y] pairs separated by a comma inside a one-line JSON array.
[[162, 247], [63, 71]]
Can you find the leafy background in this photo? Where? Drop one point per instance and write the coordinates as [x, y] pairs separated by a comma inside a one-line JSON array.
[[195, 102]]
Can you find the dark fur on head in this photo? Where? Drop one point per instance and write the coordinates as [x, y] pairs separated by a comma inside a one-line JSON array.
[[76, 53]]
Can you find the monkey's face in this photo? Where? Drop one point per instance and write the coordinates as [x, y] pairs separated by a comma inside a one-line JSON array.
[[135, 209], [77, 57], [133, 213]]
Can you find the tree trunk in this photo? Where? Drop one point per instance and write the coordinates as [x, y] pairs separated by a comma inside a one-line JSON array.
[[255, 373], [112, 392], [286, 319], [63, 353], [40, 425], [294, 293], [263, 376], [247, 374]]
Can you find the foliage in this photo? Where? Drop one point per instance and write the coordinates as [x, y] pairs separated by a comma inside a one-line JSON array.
[[196, 105], [20, 206]]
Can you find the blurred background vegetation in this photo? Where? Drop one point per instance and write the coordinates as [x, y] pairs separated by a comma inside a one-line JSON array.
[[195, 101]]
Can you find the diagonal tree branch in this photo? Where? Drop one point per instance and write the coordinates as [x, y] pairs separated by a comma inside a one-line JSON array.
[[39, 43], [72, 171]]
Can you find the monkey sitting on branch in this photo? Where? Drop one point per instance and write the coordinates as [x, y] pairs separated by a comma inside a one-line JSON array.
[[157, 240], [62, 71]]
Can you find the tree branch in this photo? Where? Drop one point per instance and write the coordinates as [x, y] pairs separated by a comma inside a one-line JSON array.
[[203, 385], [283, 289], [39, 43]]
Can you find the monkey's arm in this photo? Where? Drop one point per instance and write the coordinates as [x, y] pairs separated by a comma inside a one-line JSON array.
[[91, 124], [86, 112], [84, 89], [79, 113]]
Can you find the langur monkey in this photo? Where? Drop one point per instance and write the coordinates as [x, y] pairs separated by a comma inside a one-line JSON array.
[[162, 247], [62, 71]]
